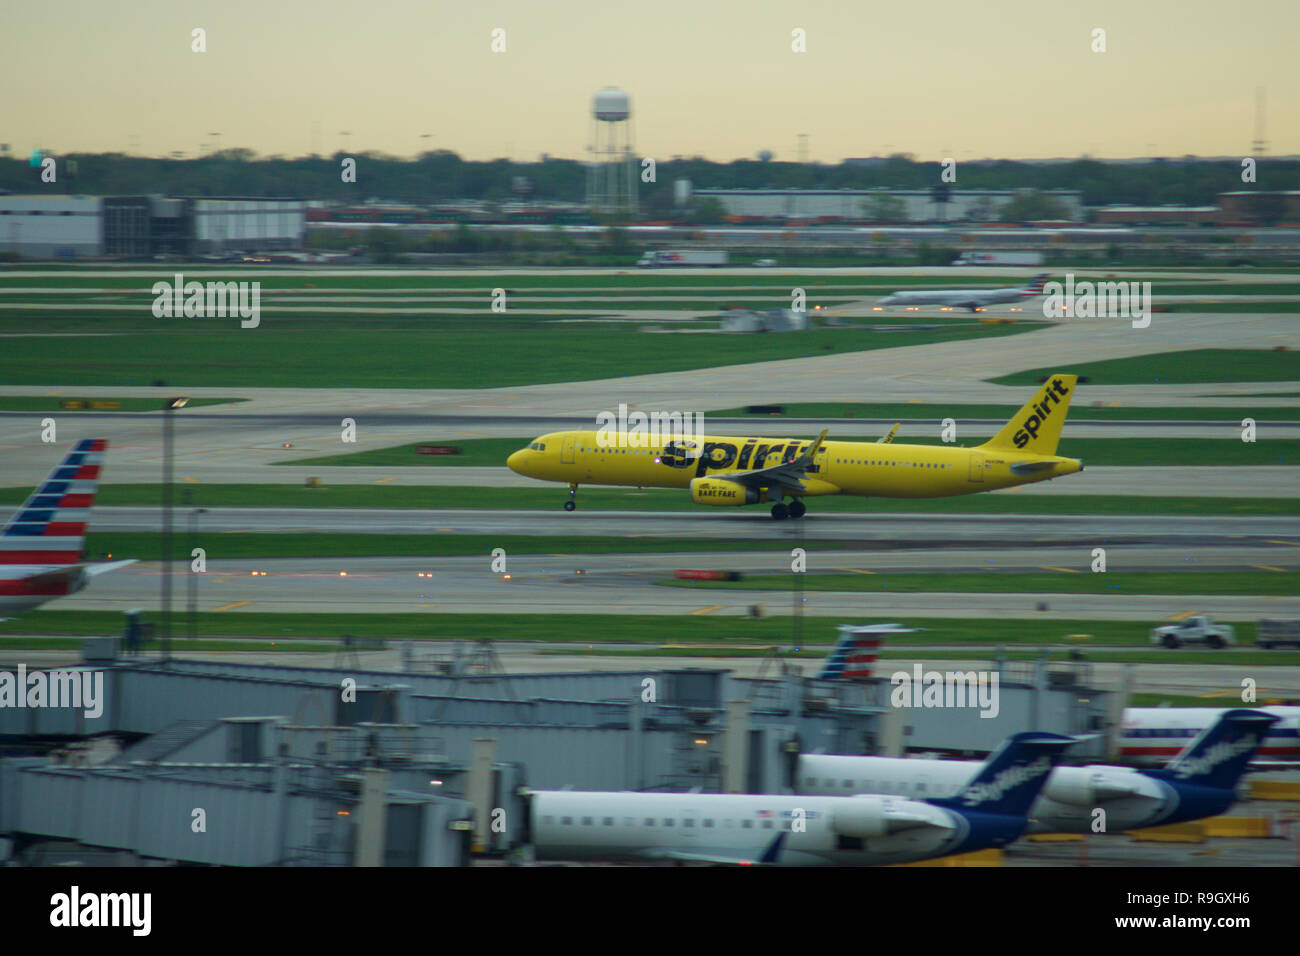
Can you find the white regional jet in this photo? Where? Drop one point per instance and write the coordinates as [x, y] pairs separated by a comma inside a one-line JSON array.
[[973, 299], [744, 829], [1151, 735], [1200, 782]]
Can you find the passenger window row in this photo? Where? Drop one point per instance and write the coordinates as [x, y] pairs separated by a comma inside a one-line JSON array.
[[688, 823], [895, 464]]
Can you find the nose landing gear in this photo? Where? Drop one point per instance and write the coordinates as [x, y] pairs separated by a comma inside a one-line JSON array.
[[572, 503]]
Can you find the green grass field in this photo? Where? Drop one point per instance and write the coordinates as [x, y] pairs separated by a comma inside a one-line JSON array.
[[486, 356], [1193, 367], [1136, 452], [545, 498], [1283, 583], [614, 281], [228, 545]]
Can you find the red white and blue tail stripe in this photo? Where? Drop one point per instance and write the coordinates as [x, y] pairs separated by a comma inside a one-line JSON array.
[[857, 650], [1034, 287], [50, 527]]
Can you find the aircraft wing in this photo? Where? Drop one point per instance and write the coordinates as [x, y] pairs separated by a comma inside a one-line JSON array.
[[787, 474], [56, 576], [896, 819], [72, 572], [719, 855], [94, 569]]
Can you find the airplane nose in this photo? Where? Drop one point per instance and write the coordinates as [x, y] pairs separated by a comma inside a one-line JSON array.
[[516, 462]]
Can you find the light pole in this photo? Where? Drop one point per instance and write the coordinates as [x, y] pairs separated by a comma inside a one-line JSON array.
[[194, 575], [168, 409]]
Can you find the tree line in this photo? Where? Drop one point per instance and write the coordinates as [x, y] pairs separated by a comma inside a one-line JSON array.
[[442, 176]]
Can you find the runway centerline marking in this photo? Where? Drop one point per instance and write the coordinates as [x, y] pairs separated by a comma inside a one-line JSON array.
[[231, 607], [709, 610]]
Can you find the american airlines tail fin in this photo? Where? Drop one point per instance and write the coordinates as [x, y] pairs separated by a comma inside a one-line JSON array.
[[1036, 428], [1034, 287], [1219, 756], [856, 651], [1011, 779], [50, 527]]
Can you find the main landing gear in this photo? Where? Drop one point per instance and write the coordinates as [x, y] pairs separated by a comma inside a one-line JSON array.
[[573, 495], [795, 509]]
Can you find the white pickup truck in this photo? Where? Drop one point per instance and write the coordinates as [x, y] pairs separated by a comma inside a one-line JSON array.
[[1198, 628]]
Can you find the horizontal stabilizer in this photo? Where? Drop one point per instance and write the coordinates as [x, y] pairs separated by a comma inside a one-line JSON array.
[[1030, 467]]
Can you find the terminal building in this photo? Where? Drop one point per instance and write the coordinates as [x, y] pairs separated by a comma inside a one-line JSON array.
[[429, 764], [142, 227]]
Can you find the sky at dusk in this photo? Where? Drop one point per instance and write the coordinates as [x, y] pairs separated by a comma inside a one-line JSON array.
[[713, 78]]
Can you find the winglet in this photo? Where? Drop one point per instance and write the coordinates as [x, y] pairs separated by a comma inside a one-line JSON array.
[[887, 439], [96, 569], [817, 445], [774, 848]]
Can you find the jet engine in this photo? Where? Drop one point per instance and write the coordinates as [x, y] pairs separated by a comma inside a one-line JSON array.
[[720, 492]]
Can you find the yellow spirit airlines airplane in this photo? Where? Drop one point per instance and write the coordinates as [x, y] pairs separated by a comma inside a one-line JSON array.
[[726, 471]]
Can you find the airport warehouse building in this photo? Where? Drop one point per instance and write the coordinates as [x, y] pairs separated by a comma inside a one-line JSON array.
[[918, 205], [139, 227]]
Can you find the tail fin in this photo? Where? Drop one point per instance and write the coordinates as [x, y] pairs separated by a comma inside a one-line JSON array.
[[1036, 428], [1218, 757], [856, 651], [1034, 286], [1011, 779], [50, 527]]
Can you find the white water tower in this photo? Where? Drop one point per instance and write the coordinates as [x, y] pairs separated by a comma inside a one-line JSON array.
[[611, 164]]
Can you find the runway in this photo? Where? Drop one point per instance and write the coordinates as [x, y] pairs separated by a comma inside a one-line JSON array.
[[219, 456], [237, 444], [625, 584], [882, 527]]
